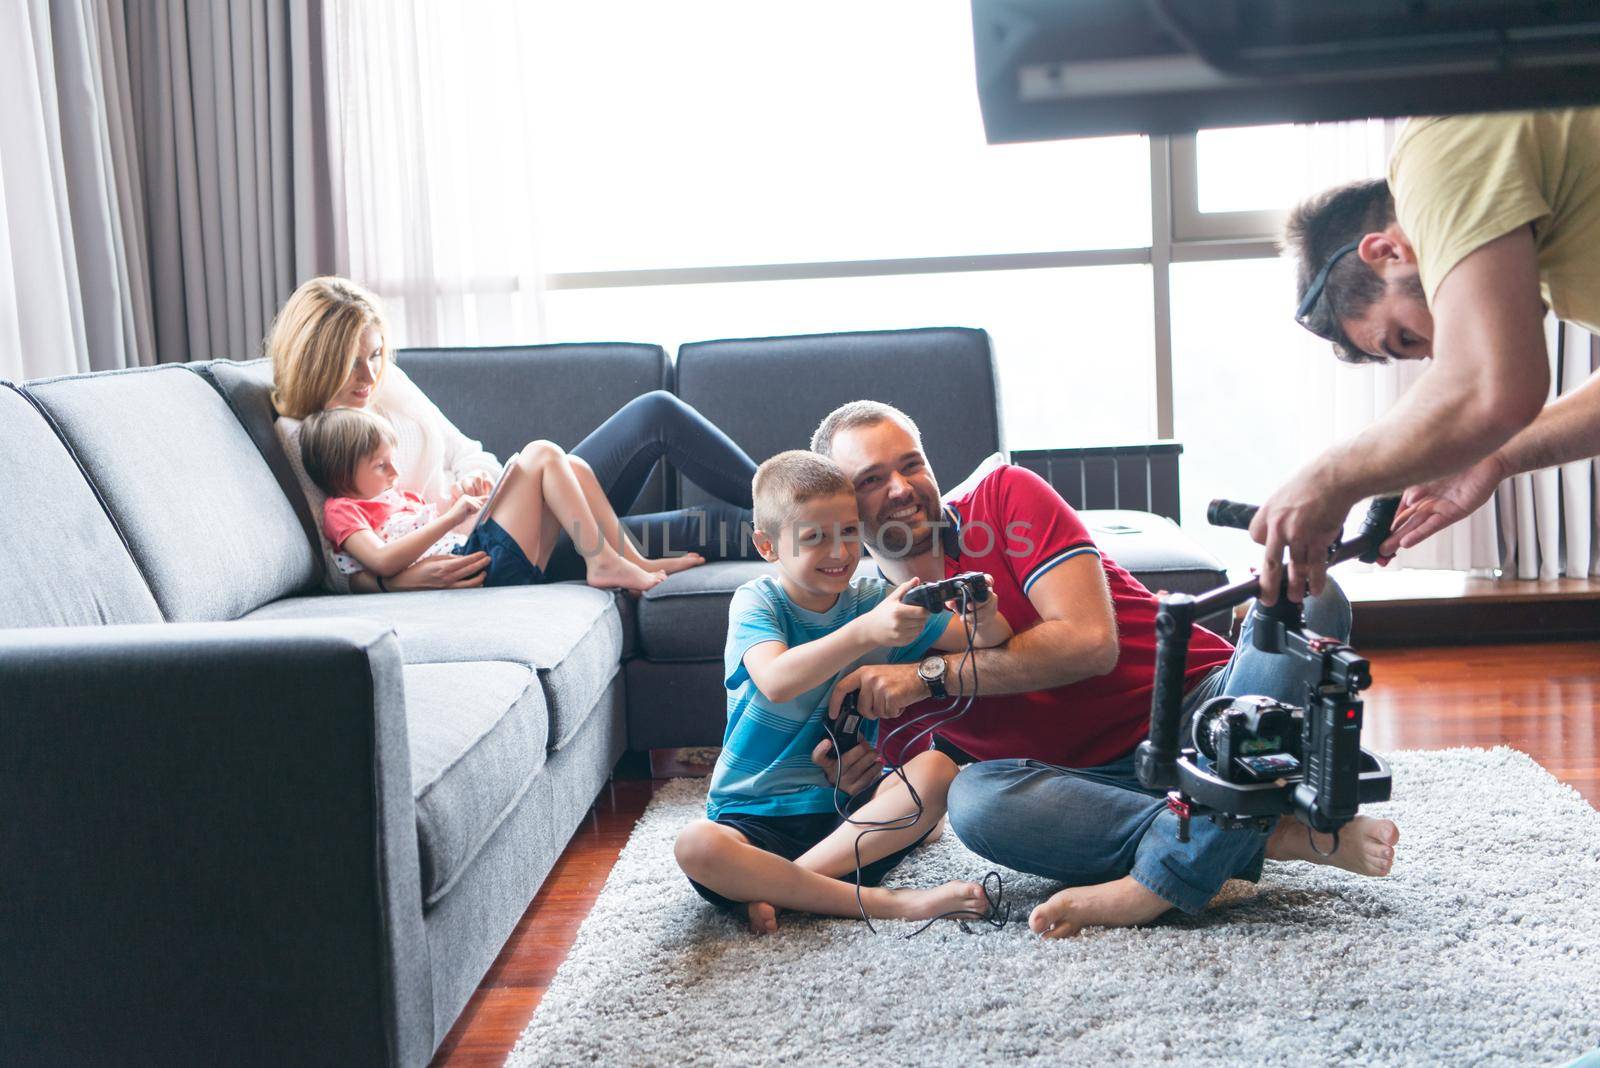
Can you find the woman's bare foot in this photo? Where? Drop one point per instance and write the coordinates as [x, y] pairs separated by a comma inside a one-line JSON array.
[[959, 897], [614, 572], [671, 565], [1123, 903], [763, 918], [1366, 845]]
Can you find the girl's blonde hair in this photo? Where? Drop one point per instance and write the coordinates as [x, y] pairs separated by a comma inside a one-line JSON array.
[[336, 442], [316, 339]]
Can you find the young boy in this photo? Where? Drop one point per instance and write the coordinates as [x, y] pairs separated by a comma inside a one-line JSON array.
[[773, 838]]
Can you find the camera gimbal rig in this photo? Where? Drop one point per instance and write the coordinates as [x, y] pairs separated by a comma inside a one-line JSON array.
[[1247, 761]]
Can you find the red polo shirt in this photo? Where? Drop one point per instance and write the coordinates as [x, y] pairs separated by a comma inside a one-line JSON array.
[[1016, 527]]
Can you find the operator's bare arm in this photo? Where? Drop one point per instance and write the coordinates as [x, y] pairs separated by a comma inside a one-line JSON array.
[[1490, 376], [1075, 638], [1566, 430]]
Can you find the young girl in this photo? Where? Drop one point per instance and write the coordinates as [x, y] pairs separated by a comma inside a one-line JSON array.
[[349, 454]]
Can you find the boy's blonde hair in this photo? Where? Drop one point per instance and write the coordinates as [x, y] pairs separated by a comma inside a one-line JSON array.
[[334, 444], [790, 479], [316, 339]]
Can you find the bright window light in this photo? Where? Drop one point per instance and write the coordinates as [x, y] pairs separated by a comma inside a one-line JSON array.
[[1074, 346], [725, 132], [1271, 168]]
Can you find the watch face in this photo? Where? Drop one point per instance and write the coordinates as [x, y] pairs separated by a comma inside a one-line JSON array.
[[931, 668]]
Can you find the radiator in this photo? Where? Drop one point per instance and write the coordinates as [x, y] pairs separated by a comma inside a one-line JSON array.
[[1140, 477]]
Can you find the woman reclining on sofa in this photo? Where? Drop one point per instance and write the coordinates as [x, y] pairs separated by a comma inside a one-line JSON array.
[[330, 349]]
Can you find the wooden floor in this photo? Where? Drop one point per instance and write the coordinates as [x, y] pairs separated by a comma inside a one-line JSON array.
[[1543, 699]]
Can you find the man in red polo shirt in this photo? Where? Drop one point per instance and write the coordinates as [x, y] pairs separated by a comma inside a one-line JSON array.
[[1067, 700]]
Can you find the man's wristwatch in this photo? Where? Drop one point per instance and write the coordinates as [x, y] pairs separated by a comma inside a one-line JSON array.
[[931, 671]]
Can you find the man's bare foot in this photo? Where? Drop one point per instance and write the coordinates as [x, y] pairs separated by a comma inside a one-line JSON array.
[[1366, 845], [1123, 903], [616, 573], [671, 565], [763, 918], [955, 896]]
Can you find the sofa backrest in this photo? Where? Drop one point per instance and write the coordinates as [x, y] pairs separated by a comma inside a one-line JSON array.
[[199, 509], [247, 387], [63, 563], [769, 394], [508, 396]]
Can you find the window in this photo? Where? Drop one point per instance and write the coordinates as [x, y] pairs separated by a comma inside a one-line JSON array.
[[1073, 345], [1237, 183], [723, 132]]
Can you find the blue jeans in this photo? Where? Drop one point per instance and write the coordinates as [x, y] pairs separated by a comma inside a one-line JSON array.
[[1084, 826], [623, 449]]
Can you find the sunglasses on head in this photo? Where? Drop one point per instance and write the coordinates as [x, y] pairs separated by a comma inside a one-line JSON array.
[[1308, 304]]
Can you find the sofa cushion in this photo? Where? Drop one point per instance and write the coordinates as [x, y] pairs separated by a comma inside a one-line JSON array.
[[567, 632], [200, 509], [944, 378], [508, 396], [686, 617], [1155, 550], [478, 734], [247, 387], [64, 564]]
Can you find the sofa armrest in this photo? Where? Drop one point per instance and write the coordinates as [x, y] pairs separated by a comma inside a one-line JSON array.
[[208, 847]]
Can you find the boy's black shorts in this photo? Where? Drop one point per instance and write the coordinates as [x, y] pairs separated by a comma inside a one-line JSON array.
[[791, 836]]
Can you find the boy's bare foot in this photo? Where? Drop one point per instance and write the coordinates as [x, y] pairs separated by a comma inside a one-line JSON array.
[[617, 573], [1366, 845], [1123, 903], [671, 565], [763, 918], [955, 896]]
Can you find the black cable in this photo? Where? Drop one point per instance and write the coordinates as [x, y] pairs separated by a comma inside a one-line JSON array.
[[958, 706]]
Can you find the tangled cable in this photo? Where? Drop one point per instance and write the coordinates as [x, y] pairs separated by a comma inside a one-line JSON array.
[[953, 710]]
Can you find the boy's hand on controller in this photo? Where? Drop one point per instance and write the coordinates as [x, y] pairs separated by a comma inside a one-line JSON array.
[[858, 769], [893, 624], [982, 610], [883, 691]]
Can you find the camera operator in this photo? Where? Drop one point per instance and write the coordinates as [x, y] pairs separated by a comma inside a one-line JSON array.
[[1485, 220], [1067, 700]]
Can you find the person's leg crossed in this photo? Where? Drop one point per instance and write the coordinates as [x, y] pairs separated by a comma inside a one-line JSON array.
[[1077, 827]]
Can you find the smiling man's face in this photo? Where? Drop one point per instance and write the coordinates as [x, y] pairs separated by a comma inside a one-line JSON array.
[[895, 489]]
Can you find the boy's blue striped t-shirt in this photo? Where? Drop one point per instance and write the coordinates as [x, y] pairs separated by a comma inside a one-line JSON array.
[[765, 768]]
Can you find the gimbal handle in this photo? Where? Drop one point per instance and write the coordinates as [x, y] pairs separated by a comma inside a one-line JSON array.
[[1156, 759]]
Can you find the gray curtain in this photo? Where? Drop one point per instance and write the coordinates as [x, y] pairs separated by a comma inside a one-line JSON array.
[[229, 103]]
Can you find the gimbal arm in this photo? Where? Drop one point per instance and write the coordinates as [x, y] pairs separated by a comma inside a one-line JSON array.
[[1156, 759]]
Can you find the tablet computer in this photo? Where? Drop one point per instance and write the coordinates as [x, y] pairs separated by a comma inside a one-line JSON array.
[[483, 513]]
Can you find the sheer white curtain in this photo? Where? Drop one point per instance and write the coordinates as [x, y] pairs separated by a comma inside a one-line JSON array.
[[437, 172], [74, 288], [1548, 519]]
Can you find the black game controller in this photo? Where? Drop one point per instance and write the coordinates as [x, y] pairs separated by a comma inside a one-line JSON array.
[[933, 595], [844, 732]]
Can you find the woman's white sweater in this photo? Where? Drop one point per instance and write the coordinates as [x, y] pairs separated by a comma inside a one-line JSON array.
[[432, 455]]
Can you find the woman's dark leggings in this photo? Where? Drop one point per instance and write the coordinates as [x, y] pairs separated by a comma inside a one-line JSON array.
[[623, 449]]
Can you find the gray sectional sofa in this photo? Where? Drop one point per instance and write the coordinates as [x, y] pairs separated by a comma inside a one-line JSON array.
[[242, 821]]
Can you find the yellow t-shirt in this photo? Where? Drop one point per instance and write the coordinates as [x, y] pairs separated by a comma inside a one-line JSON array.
[[1460, 182]]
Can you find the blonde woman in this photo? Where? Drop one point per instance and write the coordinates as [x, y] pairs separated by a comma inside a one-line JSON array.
[[329, 347]]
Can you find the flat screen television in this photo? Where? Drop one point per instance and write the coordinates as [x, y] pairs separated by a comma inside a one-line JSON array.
[[1081, 68]]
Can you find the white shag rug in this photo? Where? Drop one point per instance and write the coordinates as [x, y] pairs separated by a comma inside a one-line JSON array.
[[1482, 948]]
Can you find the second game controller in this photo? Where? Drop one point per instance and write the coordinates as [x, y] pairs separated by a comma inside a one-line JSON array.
[[844, 732]]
